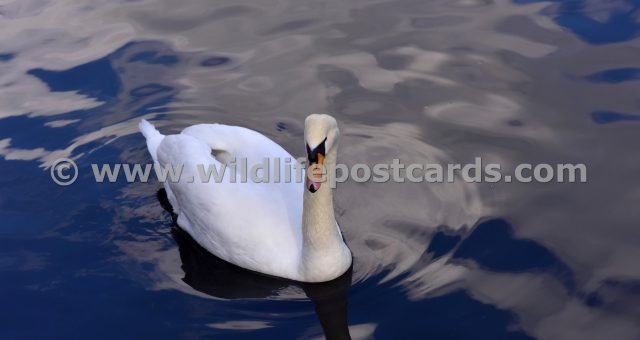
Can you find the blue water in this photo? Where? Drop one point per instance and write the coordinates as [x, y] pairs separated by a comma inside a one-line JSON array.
[[441, 81]]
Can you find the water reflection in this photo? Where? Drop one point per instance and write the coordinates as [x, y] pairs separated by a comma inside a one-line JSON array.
[[597, 22], [522, 81]]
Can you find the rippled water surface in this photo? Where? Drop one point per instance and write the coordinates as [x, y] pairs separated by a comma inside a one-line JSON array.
[[424, 81]]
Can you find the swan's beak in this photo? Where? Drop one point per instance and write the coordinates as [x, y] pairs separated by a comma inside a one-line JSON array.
[[314, 157]]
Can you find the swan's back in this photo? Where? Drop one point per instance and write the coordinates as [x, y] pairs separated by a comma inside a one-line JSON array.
[[254, 225]]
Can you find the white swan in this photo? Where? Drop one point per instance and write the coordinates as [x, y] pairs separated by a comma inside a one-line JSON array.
[[276, 228]]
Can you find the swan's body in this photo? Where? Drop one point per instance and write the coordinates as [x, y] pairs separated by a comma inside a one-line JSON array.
[[276, 228]]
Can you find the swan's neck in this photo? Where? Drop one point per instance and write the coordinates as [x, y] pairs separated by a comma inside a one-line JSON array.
[[323, 249]]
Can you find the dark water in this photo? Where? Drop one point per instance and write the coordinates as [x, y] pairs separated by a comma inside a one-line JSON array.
[[425, 81]]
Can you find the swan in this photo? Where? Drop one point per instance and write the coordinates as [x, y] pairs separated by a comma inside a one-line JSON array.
[[276, 228]]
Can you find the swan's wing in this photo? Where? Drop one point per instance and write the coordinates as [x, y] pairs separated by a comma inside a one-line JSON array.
[[237, 142], [254, 225], [284, 176]]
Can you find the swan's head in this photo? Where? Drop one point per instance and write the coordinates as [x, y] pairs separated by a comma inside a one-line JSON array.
[[321, 137]]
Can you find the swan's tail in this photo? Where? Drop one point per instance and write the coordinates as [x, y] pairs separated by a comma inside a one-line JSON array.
[[153, 136]]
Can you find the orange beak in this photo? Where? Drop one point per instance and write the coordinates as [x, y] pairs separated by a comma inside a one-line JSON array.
[[316, 167]]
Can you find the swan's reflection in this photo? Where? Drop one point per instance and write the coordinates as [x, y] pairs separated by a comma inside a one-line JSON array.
[[213, 276]]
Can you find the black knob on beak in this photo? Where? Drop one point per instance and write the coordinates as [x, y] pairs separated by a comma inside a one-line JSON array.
[[312, 155]]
